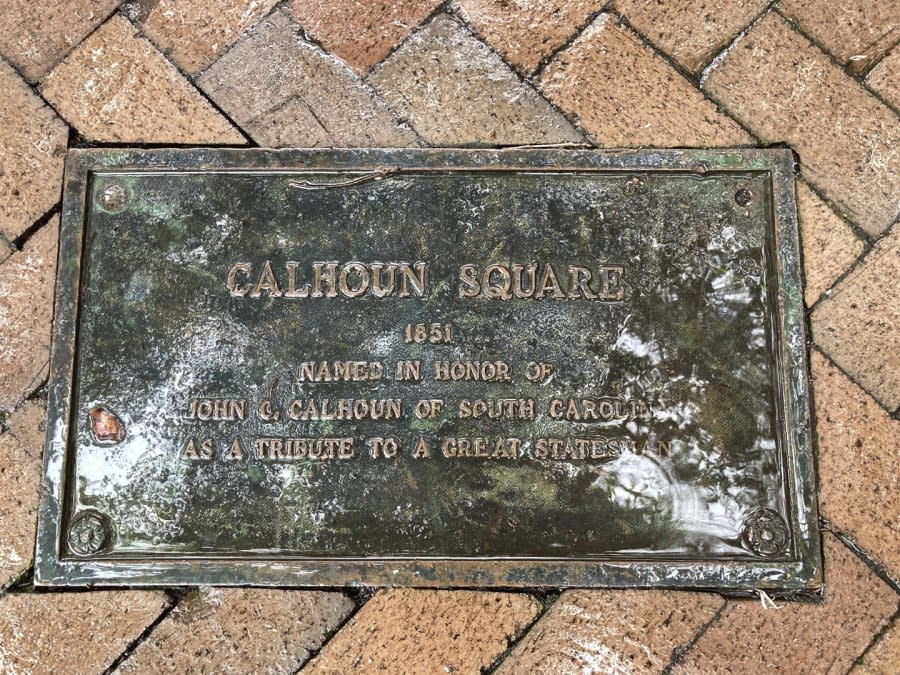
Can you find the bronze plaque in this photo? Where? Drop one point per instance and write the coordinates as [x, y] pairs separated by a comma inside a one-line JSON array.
[[429, 368]]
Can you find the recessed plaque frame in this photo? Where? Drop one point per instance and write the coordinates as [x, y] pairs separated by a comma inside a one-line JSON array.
[[611, 435]]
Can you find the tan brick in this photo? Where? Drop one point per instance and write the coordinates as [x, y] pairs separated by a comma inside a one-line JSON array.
[[885, 77], [361, 33], [859, 463], [799, 637], [427, 632], [690, 31], [612, 632], [786, 89], [857, 31], [28, 425], [455, 91], [525, 33], [829, 244], [20, 476], [6, 249], [240, 631], [32, 153], [117, 87], [858, 325], [35, 35], [27, 280], [883, 657], [194, 33], [72, 632], [625, 95], [285, 91]]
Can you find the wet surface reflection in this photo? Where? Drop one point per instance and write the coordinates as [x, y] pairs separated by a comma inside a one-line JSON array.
[[651, 434]]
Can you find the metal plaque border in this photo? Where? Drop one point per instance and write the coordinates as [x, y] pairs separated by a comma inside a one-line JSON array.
[[799, 574]]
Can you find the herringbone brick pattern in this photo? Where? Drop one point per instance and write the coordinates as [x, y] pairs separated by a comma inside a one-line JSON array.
[[822, 77]]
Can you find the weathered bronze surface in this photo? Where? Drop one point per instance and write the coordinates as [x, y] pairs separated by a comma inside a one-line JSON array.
[[436, 368]]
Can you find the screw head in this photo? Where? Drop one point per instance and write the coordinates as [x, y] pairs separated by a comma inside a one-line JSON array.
[[635, 186], [743, 197], [89, 533], [113, 197], [765, 533]]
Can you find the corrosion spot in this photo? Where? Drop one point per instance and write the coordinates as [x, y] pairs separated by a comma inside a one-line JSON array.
[[106, 425]]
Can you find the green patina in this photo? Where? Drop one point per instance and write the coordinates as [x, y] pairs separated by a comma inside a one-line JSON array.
[[695, 340]]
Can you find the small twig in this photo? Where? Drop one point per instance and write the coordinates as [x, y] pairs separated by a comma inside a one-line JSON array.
[[580, 145], [375, 175], [766, 601]]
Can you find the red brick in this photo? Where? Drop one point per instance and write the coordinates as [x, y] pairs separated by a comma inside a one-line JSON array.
[[625, 95], [27, 280], [857, 31], [285, 91], [35, 35], [525, 33], [361, 33], [857, 325], [829, 244], [20, 476], [194, 33], [690, 31], [117, 87], [455, 91], [859, 463], [240, 630], [72, 632], [427, 632], [619, 631], [785, 88], [32, 153], [799, 637]]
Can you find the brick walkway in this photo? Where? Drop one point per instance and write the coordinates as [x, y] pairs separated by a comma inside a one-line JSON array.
[[819, 75]]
